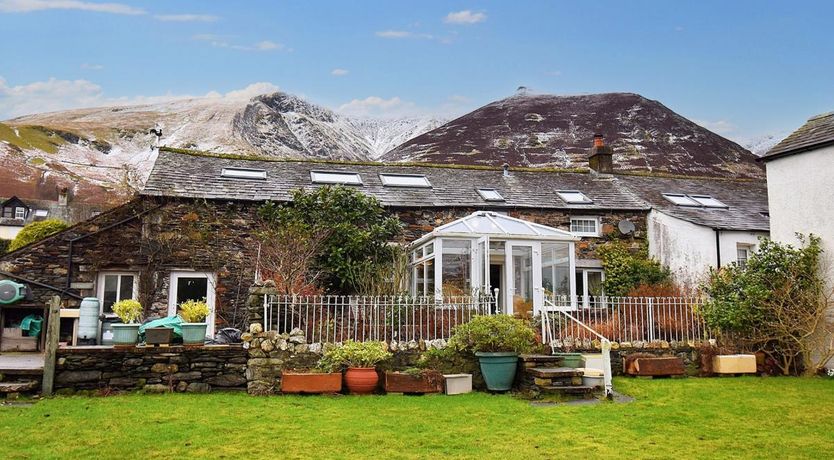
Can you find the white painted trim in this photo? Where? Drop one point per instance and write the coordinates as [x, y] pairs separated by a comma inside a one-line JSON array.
[[596, 219], [210, 295], [100, 287]]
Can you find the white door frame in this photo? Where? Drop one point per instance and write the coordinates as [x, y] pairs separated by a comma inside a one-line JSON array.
[[509, 281], [210, 295]]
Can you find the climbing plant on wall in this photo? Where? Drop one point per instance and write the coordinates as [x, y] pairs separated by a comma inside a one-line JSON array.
[[627, 268]]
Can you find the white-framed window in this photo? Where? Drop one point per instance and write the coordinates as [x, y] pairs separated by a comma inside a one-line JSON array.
[[490, 194], [335, 177], [708, 201], [404, 180], [589, 286], [188, 285], [574, 197], [244, 173], [584, 226], [20, 213], [743, 254], [699, 201], [116, 286]]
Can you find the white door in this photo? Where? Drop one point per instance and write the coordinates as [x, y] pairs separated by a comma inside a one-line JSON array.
[[187, 285], [523, 277], [482, 265]]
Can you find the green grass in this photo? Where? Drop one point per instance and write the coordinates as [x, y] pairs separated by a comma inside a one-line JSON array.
[[688, 418], [31, 137]]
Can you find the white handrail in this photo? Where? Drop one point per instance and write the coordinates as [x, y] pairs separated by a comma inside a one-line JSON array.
[[604, 343]]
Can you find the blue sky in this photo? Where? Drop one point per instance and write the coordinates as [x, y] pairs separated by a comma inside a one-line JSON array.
[[741, 68]]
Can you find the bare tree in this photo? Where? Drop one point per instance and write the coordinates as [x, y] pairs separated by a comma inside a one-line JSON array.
[[287, 256]]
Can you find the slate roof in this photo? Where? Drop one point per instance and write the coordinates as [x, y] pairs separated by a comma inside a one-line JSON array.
[[746, 200], [817, 131], [199, 176]]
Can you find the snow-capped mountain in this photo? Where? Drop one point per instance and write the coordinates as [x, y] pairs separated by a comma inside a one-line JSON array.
[[761, 144], [97, 150], [556, 131]]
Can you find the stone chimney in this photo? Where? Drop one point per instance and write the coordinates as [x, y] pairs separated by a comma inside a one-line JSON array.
[[63, 196], [602, 157]]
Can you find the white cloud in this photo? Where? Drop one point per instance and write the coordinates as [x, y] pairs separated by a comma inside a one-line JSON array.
[[222, 41], [54, 94], [718, 127], [87, 66], [27, 6], [186, 17], [339, 72], [397, 34], [377, 106], [465, 17]]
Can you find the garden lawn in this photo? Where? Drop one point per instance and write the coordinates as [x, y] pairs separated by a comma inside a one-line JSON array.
[[704, 418]]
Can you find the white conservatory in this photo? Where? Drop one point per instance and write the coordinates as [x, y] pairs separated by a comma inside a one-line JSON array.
[[521, 261]]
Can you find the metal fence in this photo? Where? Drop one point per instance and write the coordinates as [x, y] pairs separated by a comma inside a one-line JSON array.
[[335, 319], [627, 319]]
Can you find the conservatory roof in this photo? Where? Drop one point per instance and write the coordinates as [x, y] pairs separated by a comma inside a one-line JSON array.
[[487, 223]]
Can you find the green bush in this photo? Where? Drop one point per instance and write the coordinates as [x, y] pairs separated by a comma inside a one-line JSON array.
[[4, 246], [128, 310], [495, 333], [37, 231], [354, 354], [356, 227], [625, 269]]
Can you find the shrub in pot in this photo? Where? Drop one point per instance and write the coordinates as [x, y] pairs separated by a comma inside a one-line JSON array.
[[497, 341], [360, 360], [194, 314], [129, 311]]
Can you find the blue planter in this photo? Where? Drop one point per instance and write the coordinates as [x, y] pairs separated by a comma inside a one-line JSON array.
[[125, 334], [194, 333], [498, 369]]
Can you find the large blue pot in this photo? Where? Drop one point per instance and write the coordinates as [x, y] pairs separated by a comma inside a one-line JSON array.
[[498, 369]]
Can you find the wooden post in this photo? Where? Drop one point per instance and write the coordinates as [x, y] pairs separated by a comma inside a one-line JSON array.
[[53, 330]]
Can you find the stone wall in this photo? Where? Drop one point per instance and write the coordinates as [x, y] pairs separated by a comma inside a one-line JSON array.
[[175, 368], [271, 353]]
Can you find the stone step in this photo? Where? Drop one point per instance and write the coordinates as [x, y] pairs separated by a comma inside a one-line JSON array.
[[575, 389], [539, 358], [18, 387], [554, 372]]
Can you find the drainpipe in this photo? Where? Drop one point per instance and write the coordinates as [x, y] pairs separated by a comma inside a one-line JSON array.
[[717, 248]]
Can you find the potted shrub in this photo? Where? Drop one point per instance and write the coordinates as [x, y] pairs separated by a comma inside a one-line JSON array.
[[360, 360], [497, 341], [194, 314], [129, 311], [414, 380]]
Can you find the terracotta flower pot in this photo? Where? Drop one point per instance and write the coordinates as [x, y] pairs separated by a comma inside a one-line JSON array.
[[313, 382], [361, 380]]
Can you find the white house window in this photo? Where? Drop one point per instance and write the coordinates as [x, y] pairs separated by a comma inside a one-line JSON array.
[[405, 180], [19, 213], [113, 287], [334, 177], [574, 197], [584, 226], [187, 285], [743, 254], [243, 173], [41, 213], [490, 194]]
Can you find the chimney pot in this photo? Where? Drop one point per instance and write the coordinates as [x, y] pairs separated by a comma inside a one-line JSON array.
[[598, 142]]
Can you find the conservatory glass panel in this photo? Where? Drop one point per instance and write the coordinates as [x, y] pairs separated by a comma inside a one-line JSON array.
[[516, 228], [556, 269], [522, 279], [456, 265]]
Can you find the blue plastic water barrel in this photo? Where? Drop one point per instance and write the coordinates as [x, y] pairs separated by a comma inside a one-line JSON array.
[[88, 318]]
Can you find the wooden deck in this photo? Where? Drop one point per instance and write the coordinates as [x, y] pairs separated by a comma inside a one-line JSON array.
[[21, 363]]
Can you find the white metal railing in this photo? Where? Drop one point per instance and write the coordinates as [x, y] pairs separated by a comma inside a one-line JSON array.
[[335, 319], [627, 319], [605, 344]]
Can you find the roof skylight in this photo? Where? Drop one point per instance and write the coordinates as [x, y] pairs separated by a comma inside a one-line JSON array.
[[243, 173], [490, 194], [404, 180], [697, 201], [708, 201], [335, 177], [574, 197]]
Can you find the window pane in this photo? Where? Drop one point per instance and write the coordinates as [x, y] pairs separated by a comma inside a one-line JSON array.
[[588, 226], [327, 177], [490, 194], [522, 279], [191, 288], [680, 200], [556, 269], [456, 264], [110, 292], [397, 180], [429, 291], [240, 173], [594, 283], [573, 196], [708, 201], [126, 288]]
